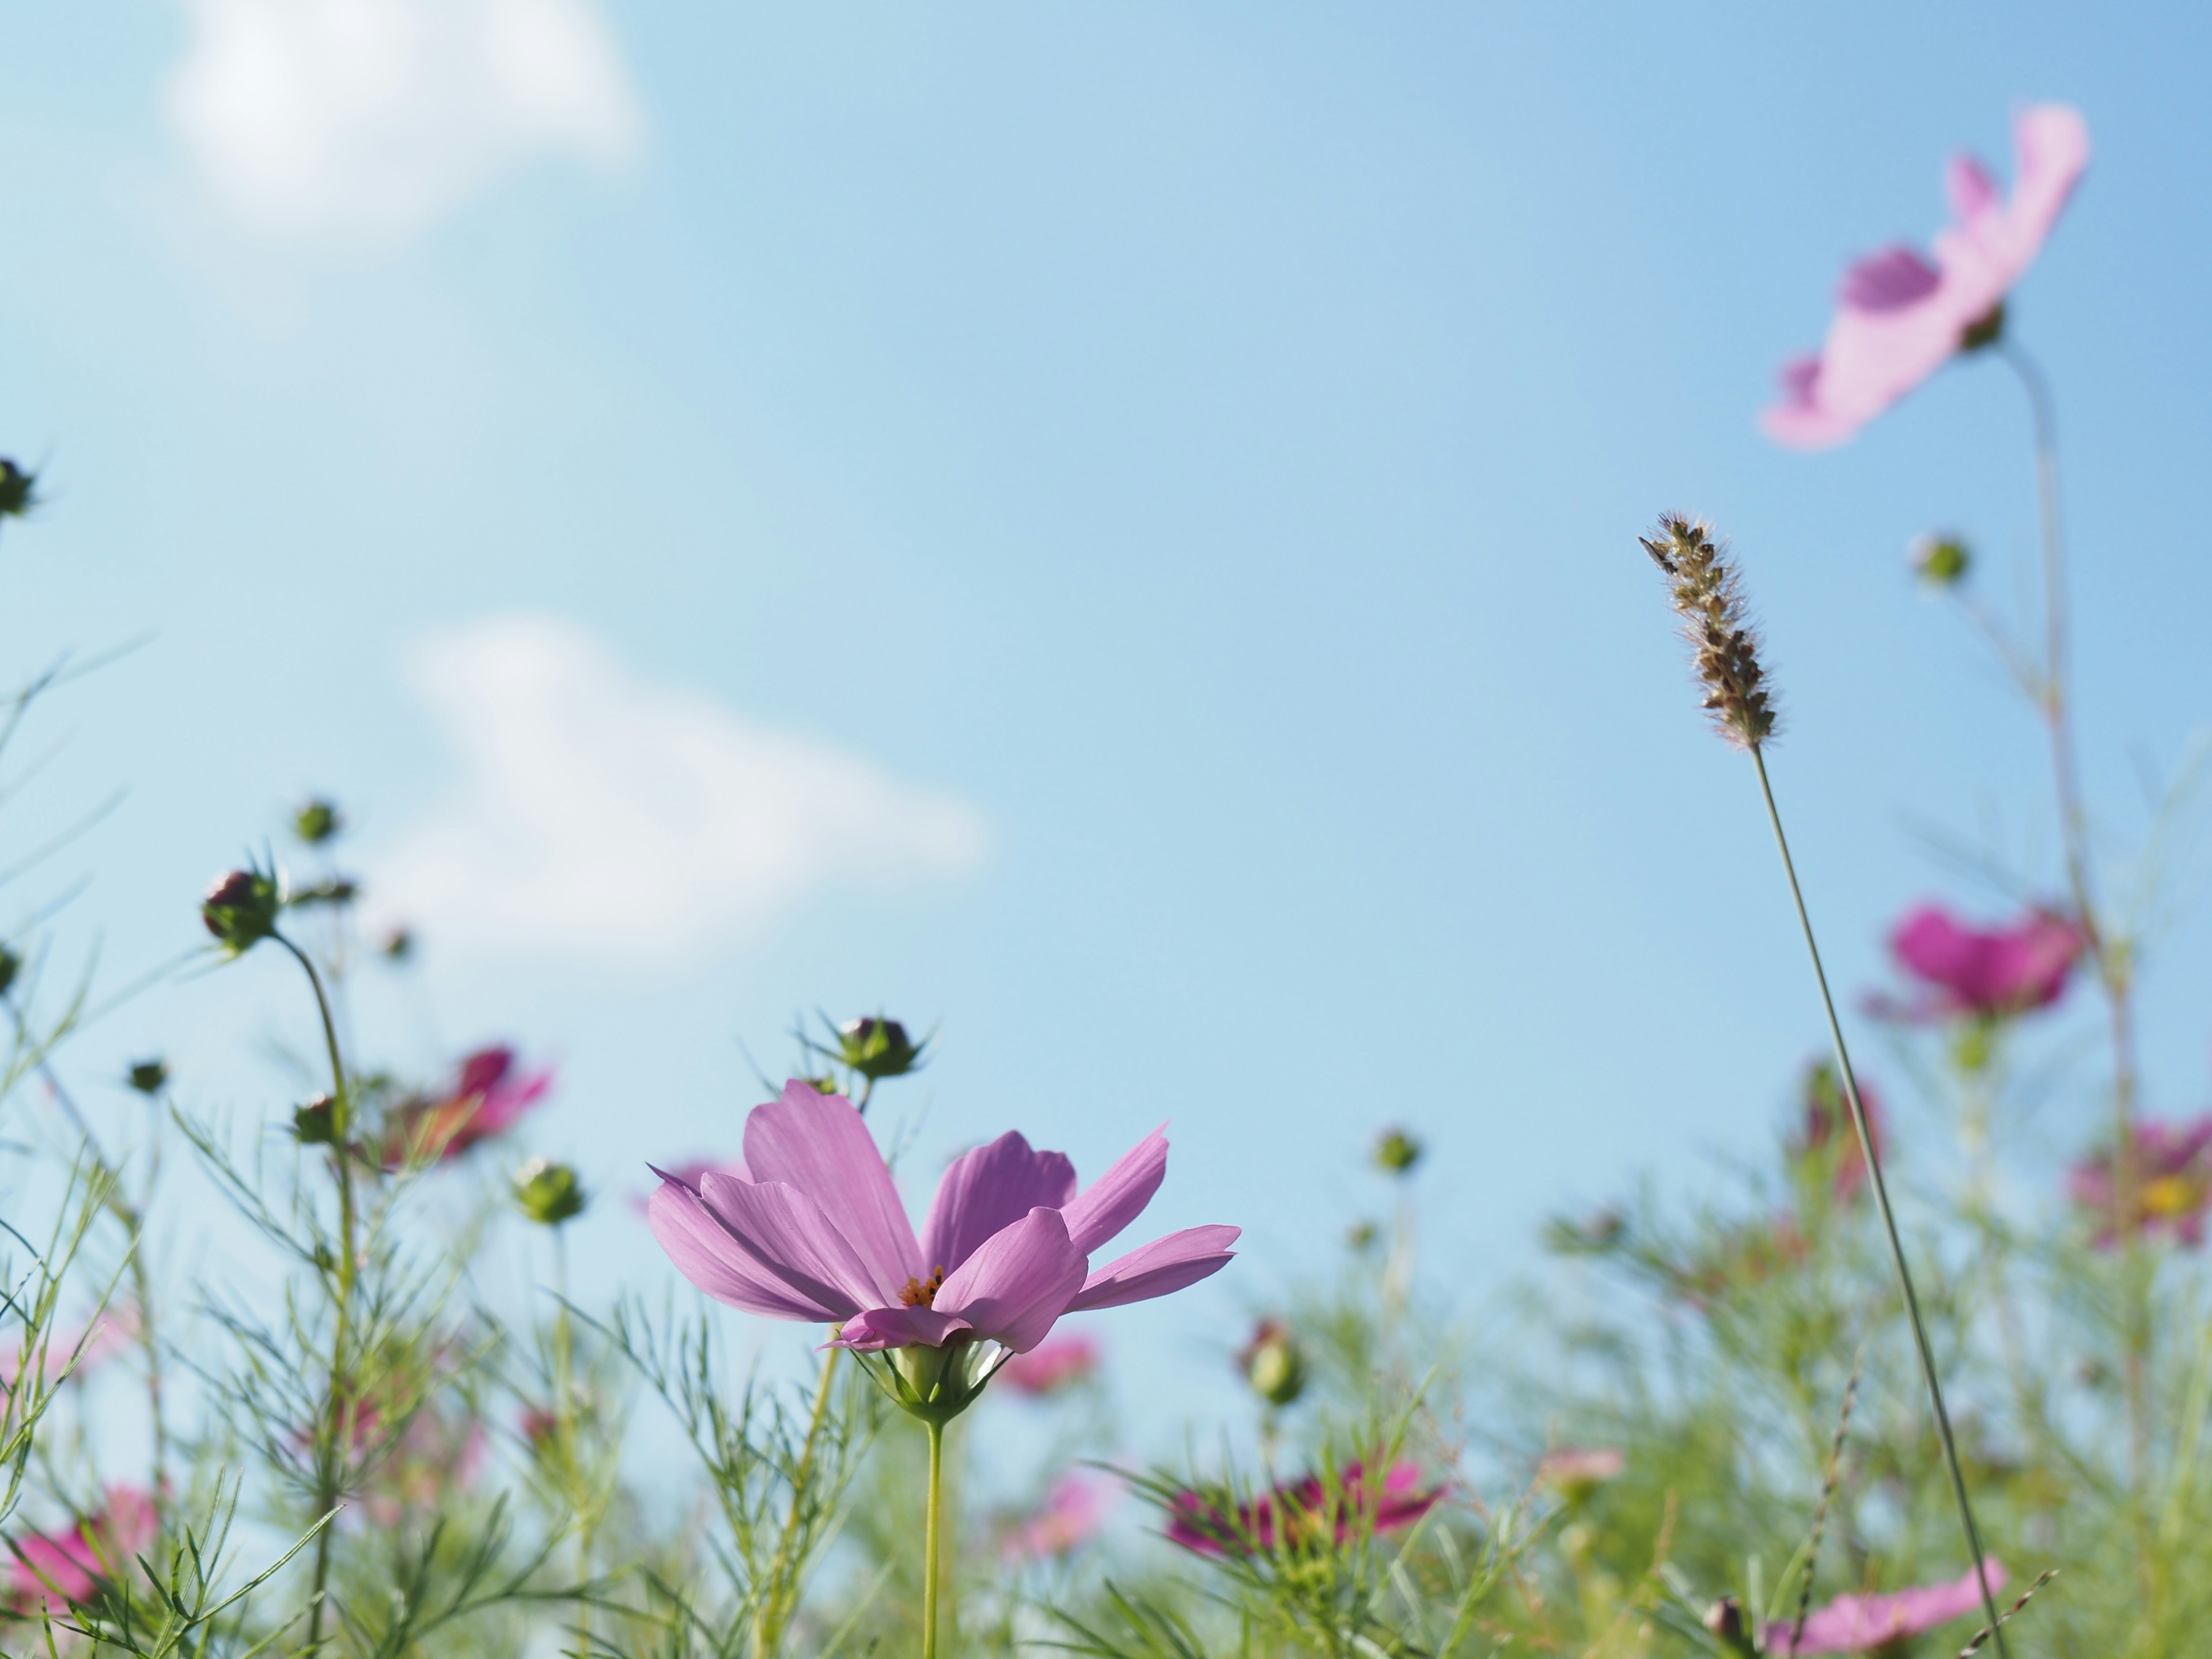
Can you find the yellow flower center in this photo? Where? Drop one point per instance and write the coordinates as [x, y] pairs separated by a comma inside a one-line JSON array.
[[2170, 1195], [922, 1292]]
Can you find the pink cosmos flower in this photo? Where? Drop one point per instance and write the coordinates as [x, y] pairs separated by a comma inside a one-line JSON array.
[[1300, 1510], [1051, 1365], [1899, 317], [1826, 1140], [816, 1232], [1576, 1472], [1864, 1624], [93, 1343], [1070, 1516], [70, 1565], [689, 1173], [488, 1097], [1983, 973], [2173, 1185]]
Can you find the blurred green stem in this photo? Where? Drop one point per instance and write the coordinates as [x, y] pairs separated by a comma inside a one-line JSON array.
[[775, 1609], [929, 1568], [1888, 1218], [342, 1408]]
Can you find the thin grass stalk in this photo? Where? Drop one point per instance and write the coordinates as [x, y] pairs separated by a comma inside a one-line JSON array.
[[1888, 1217]]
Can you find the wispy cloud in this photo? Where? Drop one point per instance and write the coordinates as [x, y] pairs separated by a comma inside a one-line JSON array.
[[372, 119], [599, 813]]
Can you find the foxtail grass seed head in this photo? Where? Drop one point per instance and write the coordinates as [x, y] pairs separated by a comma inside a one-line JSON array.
[[1708, 595]]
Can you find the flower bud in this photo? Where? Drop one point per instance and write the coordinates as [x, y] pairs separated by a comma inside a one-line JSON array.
[[1396, 1152], [150, 1077], [241, 909], [1941, 560], [10, 966], [397, 945], [1360, 1236], [550, 1193], [317, 821], [315, 1124], [18, 491], [878, 1047], [1985, 331], [1273, 1364], [1724, 1619]]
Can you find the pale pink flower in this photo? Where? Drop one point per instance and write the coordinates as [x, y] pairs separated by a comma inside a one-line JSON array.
[[1901, 317], [1051, 1365], [1068, 1518], [70, 1565], [1867, 1624], [1576, 1472], [93, 1343], [2172, 1188], [1301, 1511], [689, 1173], [488, 1096]]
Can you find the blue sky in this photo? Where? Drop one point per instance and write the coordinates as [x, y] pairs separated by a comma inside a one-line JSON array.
[[1110, 528]]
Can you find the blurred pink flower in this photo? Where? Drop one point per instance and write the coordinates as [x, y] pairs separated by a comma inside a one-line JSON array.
[[2173, 1185], [1202, 1520], [1576, 1472], [488, 1097], [70, 1565], [1050, 1366], [1983, 973], [435, 1455], [1866, 1624], [1826, 1135], [94, 1343], [1068, 1518], [1901, 318]]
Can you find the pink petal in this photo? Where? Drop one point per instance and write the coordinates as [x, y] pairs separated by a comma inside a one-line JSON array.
[[898, 1328], [705, 1253], [990, 1188], [1020, 1281], [1861, 1624], [1891, 280], [1971, 191], [1118, 1197], [1159, 1267], [788, 1237], [819, 1145]]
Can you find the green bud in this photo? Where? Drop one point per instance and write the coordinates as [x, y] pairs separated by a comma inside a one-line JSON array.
[[550, 1193], [317, 821], [315, 1124], [1396, 1152], [241, 909], [878, 1047], [1941, 560], [150, 1077], [10, 966], [18, 491], [1986, 331], [1724, 1619], [1273, 1364], [397, 945], [1361, 1235]]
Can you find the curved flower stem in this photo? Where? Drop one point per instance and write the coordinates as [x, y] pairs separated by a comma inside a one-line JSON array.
[[341, 1411], [929, 1569], [1888, 1219], [2115, 971]]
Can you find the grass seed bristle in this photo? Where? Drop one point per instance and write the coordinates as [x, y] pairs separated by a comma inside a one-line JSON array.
[[1707, 594]]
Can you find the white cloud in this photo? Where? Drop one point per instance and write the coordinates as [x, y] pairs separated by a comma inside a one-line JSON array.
[[601, 814], [373, 117]]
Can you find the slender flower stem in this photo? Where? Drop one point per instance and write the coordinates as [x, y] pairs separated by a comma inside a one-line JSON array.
[[342, 1409], [769, 1626], [1888, 1218], [929, 1570], [2115, 972]]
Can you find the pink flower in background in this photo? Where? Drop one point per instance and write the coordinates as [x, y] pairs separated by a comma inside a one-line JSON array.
[[93, 1343], [1901, 317], [816, 1232], [1297, 1512], [487, 1098], [70, 1565], [2173, 1186], [1865, 1624], [1069, 1518], [435, 1454], [1051, 1365], [1576, 1472], [1826, 1134], [1983, 973]]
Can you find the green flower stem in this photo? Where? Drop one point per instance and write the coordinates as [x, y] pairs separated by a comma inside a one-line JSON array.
[[929, 1569], [1888, 1218], [775, 1609], [340, 1410]]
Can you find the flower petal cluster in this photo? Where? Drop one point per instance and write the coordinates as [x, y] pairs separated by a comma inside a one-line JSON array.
[[1827, 1141], [1069, 1518], [69, 1566], [1866, 1624], [1994, 973], [816, 1233], [1057, 1363], [1302, 1512], [1900, 316], [2170, 1190], [488, 1096]]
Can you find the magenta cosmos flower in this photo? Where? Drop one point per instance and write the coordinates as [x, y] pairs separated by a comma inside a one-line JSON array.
[[1901, 316], [2173, 1185], [813, 1229], [488, 1096], [1867, 1624], [1303, 1510], [1983, 973], [70, 1565], [1056, 1363]]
